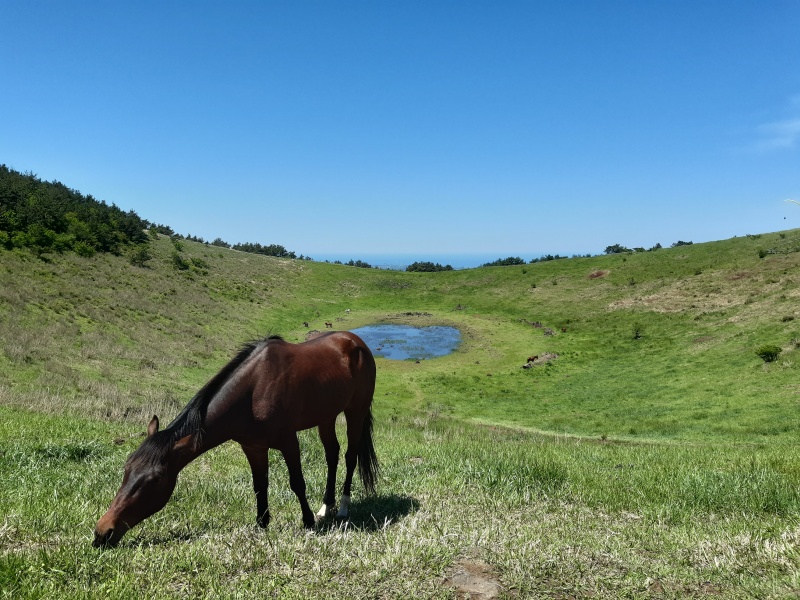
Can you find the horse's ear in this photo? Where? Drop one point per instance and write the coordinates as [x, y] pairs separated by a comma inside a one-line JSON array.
[[153, 426], [183, 443]]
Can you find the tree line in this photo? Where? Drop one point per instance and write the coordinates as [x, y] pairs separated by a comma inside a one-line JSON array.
[[50, 217]]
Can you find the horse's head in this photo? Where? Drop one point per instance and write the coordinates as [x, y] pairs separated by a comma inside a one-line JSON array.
[[146, 487]]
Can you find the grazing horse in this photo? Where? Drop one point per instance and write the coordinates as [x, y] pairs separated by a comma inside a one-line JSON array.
[[328, 325], [271, 390]]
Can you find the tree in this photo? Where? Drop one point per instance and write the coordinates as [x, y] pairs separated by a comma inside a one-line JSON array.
[[272, 250], [359, 263], [427, 267], [505, 262]]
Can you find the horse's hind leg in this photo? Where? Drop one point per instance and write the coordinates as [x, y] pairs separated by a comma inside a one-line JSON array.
[[327, 434], [259, 465], [290, 448], [355, 426]]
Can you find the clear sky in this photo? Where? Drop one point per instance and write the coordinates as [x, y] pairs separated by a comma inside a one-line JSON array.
[[431, 127]]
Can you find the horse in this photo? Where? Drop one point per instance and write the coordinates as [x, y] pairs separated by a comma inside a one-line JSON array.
[[267, 393]]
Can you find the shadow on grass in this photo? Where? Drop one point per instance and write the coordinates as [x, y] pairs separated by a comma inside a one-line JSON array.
[[373, 513], [369, 514]]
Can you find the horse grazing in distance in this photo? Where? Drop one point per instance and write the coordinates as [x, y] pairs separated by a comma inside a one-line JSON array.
[[271, 390]]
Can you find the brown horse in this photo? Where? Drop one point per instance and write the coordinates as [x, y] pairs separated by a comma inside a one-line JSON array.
[[271, 390]]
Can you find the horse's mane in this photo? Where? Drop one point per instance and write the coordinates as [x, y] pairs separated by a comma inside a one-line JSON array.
[[190, 420]]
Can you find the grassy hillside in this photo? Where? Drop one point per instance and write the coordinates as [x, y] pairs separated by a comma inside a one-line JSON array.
[[128, 340], [654, 454]]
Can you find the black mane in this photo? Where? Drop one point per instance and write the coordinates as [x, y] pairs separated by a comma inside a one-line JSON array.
[[190, 420]]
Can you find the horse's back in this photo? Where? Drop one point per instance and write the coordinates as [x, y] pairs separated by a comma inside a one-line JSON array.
[[314, 381]]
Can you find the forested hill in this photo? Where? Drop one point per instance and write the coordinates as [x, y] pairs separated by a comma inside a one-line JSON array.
[[50, 217]]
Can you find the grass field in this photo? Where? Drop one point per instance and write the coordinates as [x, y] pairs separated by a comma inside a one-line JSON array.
[[654, 455]]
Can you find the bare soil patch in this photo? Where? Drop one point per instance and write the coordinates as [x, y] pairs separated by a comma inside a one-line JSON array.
[[540, 359], [473, 579]]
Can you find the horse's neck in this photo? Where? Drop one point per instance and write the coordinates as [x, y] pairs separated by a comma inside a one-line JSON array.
[[188, 448], [213, 432]]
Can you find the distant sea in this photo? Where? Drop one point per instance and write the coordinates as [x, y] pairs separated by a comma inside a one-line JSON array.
[[399, 262]]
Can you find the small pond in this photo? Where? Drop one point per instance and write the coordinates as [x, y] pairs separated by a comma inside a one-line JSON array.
[[404, 342]]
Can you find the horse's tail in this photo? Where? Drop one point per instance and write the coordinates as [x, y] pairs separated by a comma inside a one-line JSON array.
[[367, 459]]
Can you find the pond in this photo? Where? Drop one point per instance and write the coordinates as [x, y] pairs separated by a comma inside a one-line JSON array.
[[404, 342]]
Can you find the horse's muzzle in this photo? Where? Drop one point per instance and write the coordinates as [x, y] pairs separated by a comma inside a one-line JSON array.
[[103, 540], [108, 538]]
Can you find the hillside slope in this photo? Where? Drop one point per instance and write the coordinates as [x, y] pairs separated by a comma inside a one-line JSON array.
[[656, 344]]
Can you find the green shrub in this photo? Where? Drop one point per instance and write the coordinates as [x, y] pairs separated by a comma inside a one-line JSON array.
[[768, 353], [140, 255], [84, 249], [179, 262]]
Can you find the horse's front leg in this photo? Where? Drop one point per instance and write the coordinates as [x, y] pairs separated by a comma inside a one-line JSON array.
[[290, 448], [259, 465]]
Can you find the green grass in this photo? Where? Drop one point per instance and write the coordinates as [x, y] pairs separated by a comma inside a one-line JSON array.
[[553, 516], [664, 466]]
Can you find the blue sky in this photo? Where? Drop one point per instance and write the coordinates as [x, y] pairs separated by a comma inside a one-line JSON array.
[[417, 127]]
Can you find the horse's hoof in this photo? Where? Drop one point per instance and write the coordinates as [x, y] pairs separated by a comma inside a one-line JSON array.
[[323, 513], [263, 520], [344, 508], [308, 520]]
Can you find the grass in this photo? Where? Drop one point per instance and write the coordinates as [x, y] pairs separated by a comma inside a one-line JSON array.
[[664, 466], [553, 516]]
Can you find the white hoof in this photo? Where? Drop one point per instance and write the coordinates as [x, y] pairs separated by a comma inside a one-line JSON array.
[[323, 512], [344, 508]]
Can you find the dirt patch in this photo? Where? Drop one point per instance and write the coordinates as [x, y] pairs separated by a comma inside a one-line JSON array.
[[659, 588], [739, 275], [599, 274], [473, 579], [540, 359]]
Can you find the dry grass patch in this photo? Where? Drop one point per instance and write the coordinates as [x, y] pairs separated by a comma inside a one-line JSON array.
[[599, 274]]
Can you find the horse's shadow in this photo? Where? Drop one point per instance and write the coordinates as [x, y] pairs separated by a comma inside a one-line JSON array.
[[369, 514], [372, 513]]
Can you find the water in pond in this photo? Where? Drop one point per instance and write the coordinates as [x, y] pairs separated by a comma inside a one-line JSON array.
[[403, 342]]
